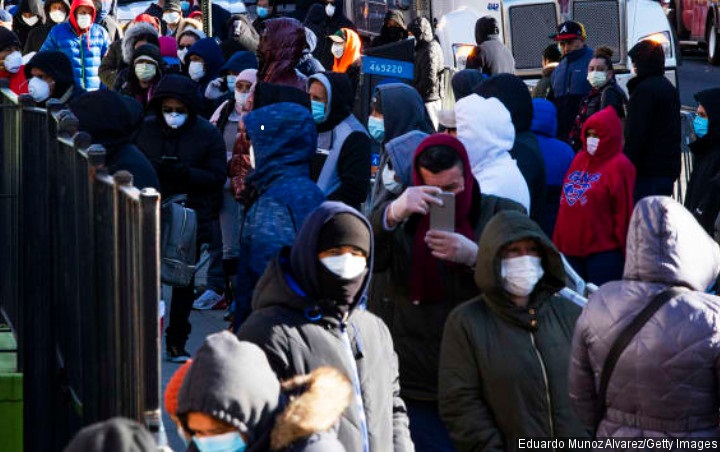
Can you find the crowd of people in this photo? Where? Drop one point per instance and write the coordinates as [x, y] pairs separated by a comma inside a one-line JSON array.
[[356, 322]]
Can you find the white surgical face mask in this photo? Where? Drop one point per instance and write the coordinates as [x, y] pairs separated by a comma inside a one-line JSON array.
[[597, 78], [521, 274], [181, 54], [57, 16], [171, 18], [175, 120], [388, 179], [592, 145], [145, 71], [13, 62], [84, 21], [330, 9], [32, 20], [337, 50], [240, 99], [38, 89], [346, 266], [196, 70]]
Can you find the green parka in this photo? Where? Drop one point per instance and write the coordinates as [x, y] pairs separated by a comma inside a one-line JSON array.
[[503, 368]]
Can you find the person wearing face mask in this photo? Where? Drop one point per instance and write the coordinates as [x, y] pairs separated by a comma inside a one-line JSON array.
[[29, 16], [186, 39], [11, 65], [105, 17], [395, 169], [188, 154], [228, 118], [140, 80], [341, 166], [56, 12], [223, 87], [204, 62], [326, 19], [702, 192], [308, 313], [393, 29], [605, 92], [346, 52], [596, 202], [172, 16], [397, 109], [142, 30], [505, 353], [84, 42], [429, 64], [242, 36], [231, 401], [264, 10], [278, 190], [50, 75], [425, 273]]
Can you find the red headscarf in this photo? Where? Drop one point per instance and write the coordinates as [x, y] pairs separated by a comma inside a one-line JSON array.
[[173, 388], [426, 282]]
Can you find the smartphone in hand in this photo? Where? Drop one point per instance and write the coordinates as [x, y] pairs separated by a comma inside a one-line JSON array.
[[442, 218]]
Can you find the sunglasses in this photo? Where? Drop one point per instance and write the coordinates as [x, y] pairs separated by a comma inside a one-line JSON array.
[[174, 110]]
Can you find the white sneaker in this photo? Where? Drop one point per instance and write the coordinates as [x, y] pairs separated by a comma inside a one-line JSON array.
[[207, 300]]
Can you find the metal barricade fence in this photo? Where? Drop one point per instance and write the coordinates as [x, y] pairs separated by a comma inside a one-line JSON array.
[[84, 296]]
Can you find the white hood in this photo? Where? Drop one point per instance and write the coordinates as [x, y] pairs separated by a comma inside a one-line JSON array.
[[485, 128]]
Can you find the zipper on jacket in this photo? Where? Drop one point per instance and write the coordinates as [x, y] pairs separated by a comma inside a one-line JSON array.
[[547, 385], [355, 377]]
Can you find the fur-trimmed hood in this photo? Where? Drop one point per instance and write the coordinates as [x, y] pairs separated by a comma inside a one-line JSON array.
[[313, 411], [132, 35]]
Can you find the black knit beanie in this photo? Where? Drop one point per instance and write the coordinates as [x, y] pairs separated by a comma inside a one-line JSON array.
[[8, 38], [344, 229]]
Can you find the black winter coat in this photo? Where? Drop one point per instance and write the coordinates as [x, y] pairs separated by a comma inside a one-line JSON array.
[[652, 128], [300, 331], [324, 26], [200, 170], [702, 192], [428, 60]]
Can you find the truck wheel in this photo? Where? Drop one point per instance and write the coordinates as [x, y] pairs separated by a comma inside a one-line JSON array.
[[713, 43]]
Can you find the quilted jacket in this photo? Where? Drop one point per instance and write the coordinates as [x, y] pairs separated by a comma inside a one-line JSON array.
[[666, 380], [85, 50]]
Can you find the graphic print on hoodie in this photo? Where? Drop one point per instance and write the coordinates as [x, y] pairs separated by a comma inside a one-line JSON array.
[[597, 195]]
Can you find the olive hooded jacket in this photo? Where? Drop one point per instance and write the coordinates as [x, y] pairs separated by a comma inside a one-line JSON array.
[[504, 368]]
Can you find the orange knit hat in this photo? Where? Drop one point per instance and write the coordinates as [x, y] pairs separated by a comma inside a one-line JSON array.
[[173, 388]]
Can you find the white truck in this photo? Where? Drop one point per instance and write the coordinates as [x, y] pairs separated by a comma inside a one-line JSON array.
[[526, 24]]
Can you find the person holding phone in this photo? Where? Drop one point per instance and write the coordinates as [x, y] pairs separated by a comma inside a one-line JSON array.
[[427, 273]]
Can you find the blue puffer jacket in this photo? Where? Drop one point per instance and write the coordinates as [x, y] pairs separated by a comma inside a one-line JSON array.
[[284, 139], [557, 154], [569, 86], [84, 51]]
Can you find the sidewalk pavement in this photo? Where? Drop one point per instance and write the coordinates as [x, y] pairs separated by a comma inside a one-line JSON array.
[[203, 323]]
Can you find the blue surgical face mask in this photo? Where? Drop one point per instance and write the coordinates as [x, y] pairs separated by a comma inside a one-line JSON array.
[[262, 12], [700, 125], [227, 442], [376, 127], [318, 111]]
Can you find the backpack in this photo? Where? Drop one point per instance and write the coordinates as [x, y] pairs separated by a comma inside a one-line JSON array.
[[178, 236]]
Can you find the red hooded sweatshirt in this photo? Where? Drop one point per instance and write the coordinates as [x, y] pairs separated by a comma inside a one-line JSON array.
[[597, 193]]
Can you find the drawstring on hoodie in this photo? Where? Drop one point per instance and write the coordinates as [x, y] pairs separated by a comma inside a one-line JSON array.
[[355, 378]]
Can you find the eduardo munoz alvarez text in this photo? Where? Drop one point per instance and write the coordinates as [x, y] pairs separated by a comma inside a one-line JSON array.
[[619, 443]]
